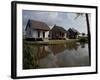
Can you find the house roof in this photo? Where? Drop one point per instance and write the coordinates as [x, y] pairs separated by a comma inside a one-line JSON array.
[[58, 28], [72, 30], [39, 25]]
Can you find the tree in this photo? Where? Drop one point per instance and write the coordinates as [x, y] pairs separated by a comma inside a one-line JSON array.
[[83, 34], [87, 22], [88, 25]]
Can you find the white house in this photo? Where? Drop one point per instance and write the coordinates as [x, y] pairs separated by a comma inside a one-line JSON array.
[[37, 29], [83, 35]]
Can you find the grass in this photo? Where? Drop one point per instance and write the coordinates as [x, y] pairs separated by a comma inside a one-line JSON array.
[[30, 56], [50, 42]]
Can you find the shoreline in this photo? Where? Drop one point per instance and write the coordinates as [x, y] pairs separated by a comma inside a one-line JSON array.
[[50, 42]]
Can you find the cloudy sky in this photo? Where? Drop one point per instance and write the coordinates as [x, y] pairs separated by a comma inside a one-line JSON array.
[[64, 19]]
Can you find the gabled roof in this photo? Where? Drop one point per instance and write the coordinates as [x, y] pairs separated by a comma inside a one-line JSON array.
[[58, 28], [38, 25], [72, 30]]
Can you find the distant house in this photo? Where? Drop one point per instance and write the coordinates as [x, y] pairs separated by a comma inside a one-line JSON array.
[[83, 35], [57, 32], [37, 29], [72, 33]]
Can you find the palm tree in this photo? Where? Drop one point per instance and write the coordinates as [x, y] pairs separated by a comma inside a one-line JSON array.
[[87, 22], [88, 29], [88, 25]]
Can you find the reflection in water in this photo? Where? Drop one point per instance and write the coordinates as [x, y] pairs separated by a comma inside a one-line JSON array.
[[51, 56], [82, 45]]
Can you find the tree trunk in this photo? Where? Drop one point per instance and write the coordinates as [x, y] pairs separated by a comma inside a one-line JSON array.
[[89, 37], [88, 25]]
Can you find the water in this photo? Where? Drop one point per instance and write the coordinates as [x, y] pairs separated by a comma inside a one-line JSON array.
[[72, 54]]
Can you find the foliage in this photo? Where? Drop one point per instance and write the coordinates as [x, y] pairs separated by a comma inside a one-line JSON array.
[[83, 34], [29, 57], [83, 39]]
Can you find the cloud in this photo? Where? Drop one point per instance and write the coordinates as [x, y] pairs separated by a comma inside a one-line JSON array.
[[63, 19]]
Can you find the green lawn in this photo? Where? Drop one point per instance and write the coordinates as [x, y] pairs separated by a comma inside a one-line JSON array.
[[50, 42]]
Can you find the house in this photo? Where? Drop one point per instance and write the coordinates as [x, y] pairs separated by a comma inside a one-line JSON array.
[[83, 35], [72, 33], [57, 32], [36, 30]]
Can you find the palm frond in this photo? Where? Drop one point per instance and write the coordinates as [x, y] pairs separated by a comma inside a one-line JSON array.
[[78, 14]]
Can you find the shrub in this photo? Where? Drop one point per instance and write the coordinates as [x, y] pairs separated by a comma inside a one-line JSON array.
[[39, 39], [30, 39], [34, 39], [82, 40]]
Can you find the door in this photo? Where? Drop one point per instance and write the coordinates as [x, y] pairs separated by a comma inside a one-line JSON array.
[[43, 34], [38, 34]]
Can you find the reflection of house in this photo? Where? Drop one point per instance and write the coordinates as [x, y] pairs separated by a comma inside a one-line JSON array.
[[57, 48], [62, 47], [72, 33], [37, 29], [42, 52], [57, 32]]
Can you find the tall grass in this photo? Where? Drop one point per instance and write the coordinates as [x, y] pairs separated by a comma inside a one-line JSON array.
[[29, 57]]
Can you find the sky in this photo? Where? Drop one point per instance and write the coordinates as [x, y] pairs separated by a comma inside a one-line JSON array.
[[64, 19]]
